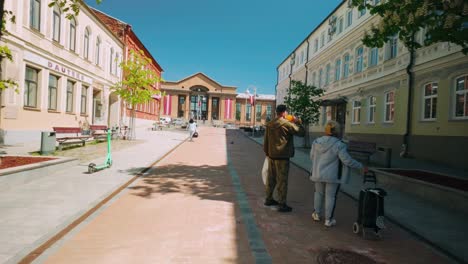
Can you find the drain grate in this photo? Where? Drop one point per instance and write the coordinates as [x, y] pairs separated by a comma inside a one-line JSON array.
[[341, 256]]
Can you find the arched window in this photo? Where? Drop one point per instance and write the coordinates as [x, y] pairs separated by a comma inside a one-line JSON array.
[[57, 21], [111, 59], [35, 14], [86, 44], [98, 50], [72, 34]]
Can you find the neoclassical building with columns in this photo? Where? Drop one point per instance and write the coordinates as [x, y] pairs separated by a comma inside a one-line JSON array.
[[202, 98]]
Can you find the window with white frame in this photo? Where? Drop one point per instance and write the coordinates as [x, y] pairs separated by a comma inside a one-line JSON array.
[[461, 97], [338, 70], [356, 112], [35, 14], [389, 111], [30, 87], [392, 47], [359, 59], [322, 40], [52, 96], [72, 34], [314, 77], [268, 113], [349, 18], [111, 60], [116, 63], [320, 78], [98, 50], [327, 74], [258, 113], [430, 101], [371, 107], [373, 57], [70, 88], [248, 112], [56, 23], [340, 25], [346, 66], [84, 99], [86, 44], [316, 45]]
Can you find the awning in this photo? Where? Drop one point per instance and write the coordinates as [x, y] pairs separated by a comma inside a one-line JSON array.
[[337, 101]]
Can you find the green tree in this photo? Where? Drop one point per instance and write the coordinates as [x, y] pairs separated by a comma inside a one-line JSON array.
[[302, 101], [442, 20], [137, 84]]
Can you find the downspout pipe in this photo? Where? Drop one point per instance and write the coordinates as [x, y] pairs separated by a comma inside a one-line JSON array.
[[307, 60], [409, 70]]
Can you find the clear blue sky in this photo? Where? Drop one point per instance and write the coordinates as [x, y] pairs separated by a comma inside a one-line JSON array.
[[238, 43]]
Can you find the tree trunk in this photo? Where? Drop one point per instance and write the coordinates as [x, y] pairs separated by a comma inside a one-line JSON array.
[[306, 136], [132, 132]]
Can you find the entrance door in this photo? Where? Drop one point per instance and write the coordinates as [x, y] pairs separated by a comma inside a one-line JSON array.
[[198, 106], [340, 115]]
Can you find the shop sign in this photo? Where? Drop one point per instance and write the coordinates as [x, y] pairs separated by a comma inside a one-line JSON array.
[[56, 67]]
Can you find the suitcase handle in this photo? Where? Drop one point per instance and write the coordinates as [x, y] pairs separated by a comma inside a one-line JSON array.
[[369, 177]]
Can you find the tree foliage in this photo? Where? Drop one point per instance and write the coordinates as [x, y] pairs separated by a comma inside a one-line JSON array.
[[302, 101], [441, 20], [71, 8], [137, 84]]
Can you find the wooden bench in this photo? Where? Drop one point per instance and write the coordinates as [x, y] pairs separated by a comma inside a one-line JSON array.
[[98, 132], [73, 136], [361, 150]]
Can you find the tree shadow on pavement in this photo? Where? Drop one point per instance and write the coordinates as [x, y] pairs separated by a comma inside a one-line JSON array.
[[206, 182]]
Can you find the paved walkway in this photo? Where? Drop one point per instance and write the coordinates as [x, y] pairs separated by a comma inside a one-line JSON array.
[[204, 204], [32, 213]]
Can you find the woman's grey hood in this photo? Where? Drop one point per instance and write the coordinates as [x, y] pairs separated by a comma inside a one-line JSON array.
[[323, 144]]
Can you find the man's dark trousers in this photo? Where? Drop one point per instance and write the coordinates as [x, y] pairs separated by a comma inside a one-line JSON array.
[[278, 170]]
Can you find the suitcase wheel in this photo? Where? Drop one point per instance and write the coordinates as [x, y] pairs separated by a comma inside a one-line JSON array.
[[356, 228]]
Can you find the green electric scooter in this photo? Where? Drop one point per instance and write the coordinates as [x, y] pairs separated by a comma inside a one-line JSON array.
[[108, 163]]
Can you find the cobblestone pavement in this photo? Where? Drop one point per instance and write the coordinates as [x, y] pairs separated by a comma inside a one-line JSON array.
[[204, 204]]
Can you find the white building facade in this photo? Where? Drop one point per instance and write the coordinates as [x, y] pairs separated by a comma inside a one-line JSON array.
[[367, 89], [64, 69]]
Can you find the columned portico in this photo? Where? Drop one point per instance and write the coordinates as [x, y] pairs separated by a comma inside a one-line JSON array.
[[205, 99]]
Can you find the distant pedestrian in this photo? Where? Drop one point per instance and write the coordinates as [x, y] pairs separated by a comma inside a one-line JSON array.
[[279, 147], [192, 128], [327, 154]]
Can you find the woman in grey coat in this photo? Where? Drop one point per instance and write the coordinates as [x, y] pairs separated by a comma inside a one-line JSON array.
[[327, 154]]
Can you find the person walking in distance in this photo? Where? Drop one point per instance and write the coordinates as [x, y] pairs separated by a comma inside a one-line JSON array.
[[192, 128], [327, 154], [278, 146]]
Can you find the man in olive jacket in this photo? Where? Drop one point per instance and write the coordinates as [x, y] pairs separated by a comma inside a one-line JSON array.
[[278, 146]]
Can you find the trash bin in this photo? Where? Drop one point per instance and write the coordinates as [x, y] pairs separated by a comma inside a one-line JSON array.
[[382, 157], [47, 142]]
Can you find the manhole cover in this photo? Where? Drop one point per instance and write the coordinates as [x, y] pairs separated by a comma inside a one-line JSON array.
[[340, 256]]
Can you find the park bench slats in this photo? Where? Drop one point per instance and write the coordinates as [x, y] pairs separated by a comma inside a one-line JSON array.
[[361, 150], [69, 138]]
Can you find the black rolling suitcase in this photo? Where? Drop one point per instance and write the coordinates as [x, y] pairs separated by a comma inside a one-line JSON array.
[[370, 209]]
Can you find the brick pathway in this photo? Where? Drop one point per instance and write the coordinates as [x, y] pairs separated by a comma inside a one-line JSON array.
[[190, 209]]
